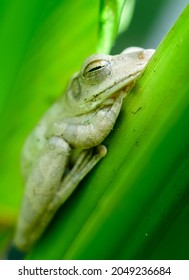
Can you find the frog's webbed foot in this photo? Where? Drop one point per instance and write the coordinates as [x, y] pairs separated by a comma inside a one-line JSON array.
[[84, 163]]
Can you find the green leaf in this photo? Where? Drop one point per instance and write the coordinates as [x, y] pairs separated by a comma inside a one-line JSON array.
[[110, 14], [126, 205]]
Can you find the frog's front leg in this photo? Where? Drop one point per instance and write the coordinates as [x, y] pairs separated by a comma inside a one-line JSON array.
[[42, 185]]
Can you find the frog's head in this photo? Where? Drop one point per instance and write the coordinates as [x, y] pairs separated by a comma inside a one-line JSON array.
[[102, 77]]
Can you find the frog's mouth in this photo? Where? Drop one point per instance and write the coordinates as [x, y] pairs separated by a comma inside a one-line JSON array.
[[125, 89], [122, 89]]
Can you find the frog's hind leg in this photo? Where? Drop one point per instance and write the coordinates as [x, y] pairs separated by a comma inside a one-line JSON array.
[[85, 162], [41, 188]]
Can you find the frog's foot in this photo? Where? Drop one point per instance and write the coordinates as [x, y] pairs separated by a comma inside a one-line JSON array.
[[85, 162]]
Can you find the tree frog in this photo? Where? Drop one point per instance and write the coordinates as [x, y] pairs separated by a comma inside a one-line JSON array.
[[66, 143]]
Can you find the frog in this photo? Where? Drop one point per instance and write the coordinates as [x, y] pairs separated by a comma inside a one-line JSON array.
[[67, 142]]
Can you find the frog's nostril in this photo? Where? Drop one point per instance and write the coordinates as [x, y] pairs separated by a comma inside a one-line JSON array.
[[141, 55]]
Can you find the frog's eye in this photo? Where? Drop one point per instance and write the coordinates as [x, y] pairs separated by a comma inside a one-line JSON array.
[[97, 69]]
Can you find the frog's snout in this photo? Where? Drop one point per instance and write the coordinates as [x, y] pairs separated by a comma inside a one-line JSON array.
[[146, 54]]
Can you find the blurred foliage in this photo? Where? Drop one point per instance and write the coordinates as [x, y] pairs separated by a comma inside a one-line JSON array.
[[38, 56], [42, 44], [109, 22]]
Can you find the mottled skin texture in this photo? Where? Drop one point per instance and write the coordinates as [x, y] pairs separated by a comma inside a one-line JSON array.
[[65, 145]]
